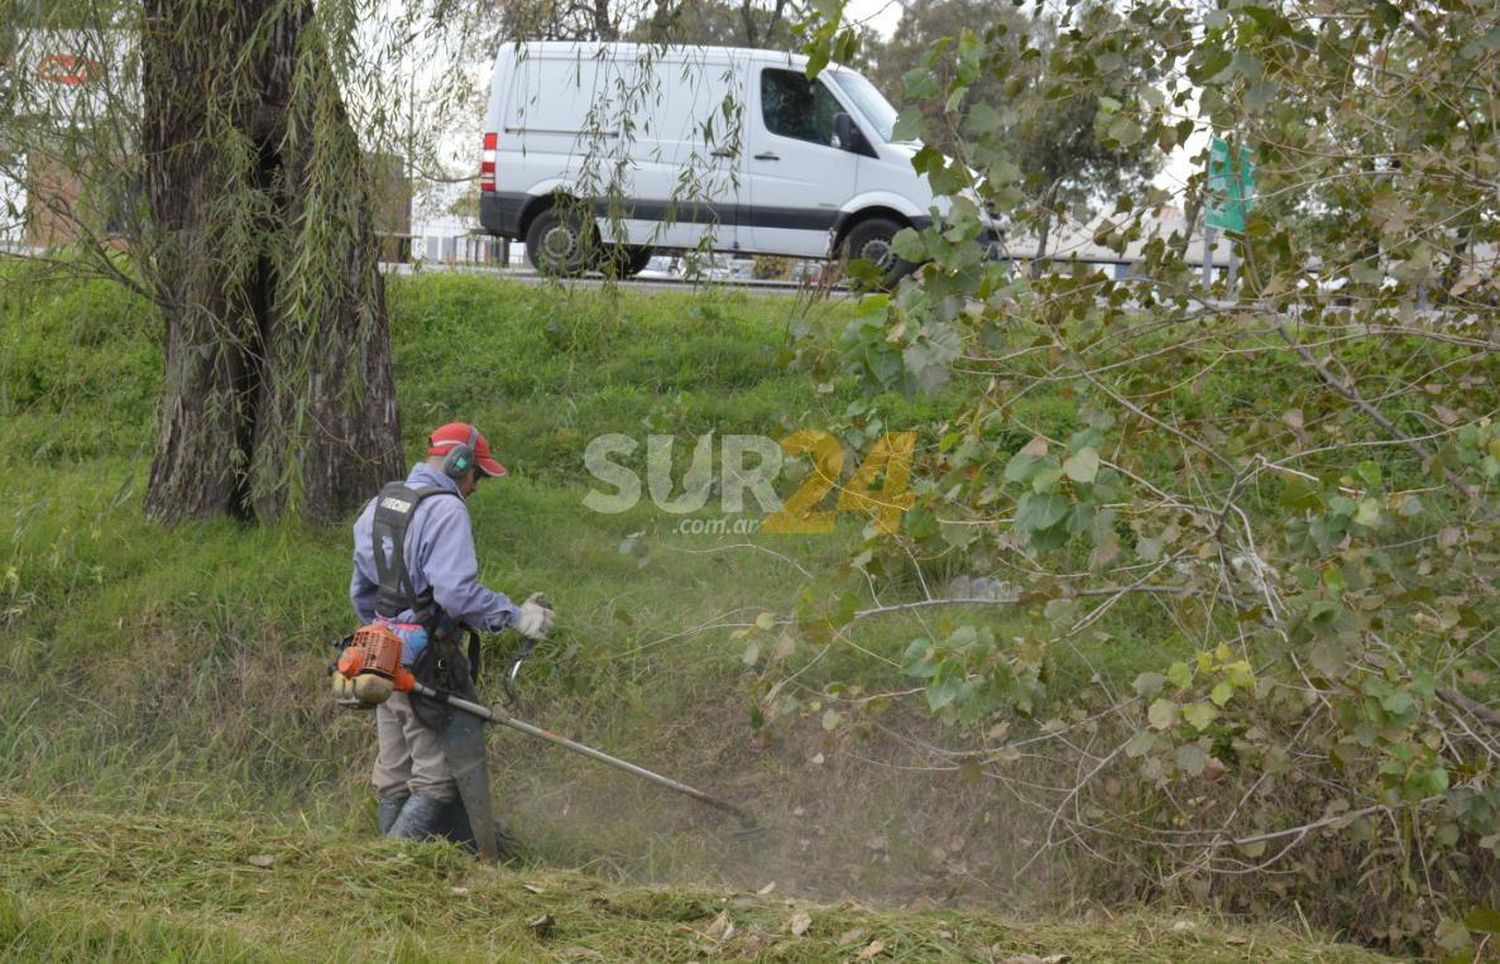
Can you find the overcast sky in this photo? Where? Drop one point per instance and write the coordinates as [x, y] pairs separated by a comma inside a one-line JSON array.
[[879, 15]]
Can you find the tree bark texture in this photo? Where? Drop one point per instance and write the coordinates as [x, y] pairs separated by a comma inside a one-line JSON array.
[[278, 395]]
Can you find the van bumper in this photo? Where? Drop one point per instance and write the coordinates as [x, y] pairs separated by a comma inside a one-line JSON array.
[[500, 213]]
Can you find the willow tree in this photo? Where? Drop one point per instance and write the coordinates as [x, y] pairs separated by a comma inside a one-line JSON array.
[[212, 138], [278, 390]]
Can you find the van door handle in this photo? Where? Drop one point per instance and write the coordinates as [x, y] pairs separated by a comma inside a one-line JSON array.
[[724, 152], [768, 156]]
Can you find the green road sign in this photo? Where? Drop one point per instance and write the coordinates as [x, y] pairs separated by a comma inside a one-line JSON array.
[[1231, 185]]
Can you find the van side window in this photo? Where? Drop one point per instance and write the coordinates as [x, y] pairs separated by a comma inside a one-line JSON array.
[[794, 106]]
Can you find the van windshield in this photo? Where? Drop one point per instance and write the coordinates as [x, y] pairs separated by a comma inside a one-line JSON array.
[[868, 99]]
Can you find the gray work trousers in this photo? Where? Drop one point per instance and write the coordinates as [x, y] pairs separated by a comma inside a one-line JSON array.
[[411, 758]]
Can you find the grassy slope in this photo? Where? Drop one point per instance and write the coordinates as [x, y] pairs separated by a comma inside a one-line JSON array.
[[90, 886], [182, 672]]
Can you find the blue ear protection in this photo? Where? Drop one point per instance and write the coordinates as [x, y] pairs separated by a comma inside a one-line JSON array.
[[460, 458]]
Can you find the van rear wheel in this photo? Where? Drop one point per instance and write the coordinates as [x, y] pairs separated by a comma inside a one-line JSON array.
[[559, 241], [636, 263], [624, 261], [873, 241]]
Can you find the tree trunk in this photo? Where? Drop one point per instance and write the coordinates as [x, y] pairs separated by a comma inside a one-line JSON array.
[[1043, 234], [604, 28], [1190, 212], [278, 396], [747, 20]]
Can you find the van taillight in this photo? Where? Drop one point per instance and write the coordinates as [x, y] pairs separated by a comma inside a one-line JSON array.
[[487, 162]]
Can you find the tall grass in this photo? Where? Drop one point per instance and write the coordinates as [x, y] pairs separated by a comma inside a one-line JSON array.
[[183, 668]]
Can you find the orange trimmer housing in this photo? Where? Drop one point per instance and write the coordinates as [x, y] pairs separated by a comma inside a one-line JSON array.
[[376, 650]]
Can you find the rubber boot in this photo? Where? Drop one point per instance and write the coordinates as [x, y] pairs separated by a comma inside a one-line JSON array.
[[421, 817], [456, 827], [388, 810]]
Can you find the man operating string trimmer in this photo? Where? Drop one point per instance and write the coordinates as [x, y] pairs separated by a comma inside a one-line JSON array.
[[415, 573], [416, 588]]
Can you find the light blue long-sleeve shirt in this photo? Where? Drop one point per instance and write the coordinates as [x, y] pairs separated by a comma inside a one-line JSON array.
[[439, 553]]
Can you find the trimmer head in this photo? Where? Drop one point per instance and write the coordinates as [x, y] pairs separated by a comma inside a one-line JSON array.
[[750, 828]]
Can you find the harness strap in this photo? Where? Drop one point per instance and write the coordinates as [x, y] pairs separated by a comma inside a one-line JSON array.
[[395, 507]]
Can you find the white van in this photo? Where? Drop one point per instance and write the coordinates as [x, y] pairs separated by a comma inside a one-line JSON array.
[[648, 148]]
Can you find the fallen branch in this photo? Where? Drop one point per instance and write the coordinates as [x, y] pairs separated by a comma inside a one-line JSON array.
[[1468, 704]]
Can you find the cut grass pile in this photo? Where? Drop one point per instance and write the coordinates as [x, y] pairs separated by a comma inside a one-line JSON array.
[[90, 886]]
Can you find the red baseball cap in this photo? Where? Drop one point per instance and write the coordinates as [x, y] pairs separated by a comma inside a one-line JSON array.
[[444, 439]]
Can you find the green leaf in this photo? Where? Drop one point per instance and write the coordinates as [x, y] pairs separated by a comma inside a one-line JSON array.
[[1486, 920], [1180, 675], [1036, 511], [1148, 685], [943, 694], [1301, 494], [921, 84], [1082, 466], [1140, 744], [1214, 59], [928, 160], [1162, 714], [1045, 540], [1437, 779], [1221, 693], [1328, 657], [1124, 131], [1021, 467], [1200, 715], [830, 10], [1191, 759], [982, 119], [817, 59], [1046, 479], [908, 244], [909, 124], [1398, 703]]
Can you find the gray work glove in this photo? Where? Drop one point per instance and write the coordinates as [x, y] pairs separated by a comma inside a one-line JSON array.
[[536, 617]]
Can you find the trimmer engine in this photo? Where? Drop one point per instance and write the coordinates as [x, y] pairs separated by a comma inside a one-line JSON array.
[[372, 663]]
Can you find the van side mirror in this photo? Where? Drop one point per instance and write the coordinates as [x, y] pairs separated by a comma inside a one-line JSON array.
[[848, 135]]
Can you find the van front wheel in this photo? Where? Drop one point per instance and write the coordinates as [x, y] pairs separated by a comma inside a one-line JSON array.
[[558, 243], [872, 241]]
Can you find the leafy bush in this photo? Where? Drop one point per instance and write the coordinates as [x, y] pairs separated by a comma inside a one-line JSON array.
[[1302, 485]]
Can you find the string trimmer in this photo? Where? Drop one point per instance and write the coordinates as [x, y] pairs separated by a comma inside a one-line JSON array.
[[372, 663]]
